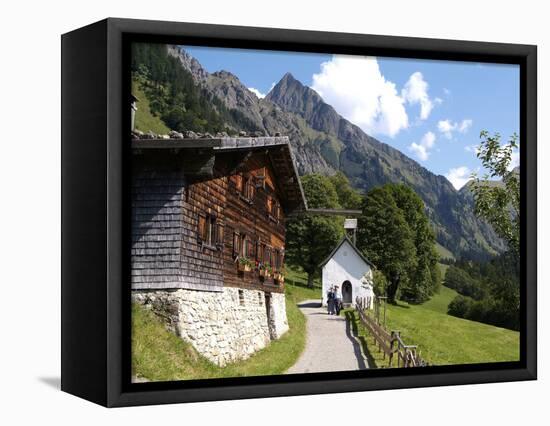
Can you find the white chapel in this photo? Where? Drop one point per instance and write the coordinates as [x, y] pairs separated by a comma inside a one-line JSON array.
[[347, 268]]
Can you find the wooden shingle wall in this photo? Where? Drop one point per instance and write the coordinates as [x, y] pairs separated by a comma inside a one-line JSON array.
[[201, 264], [166, 253], [156, 228]]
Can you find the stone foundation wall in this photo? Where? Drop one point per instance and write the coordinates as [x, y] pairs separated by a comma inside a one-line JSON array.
[[278, 323], [223, 326]]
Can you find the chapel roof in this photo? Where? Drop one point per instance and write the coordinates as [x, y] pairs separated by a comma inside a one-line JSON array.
[[342, 241]]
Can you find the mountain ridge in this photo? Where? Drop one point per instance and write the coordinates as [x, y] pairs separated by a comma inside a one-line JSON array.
[[325, 142]]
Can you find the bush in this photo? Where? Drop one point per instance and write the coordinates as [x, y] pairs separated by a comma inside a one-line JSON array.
[[459, 306], [463, 283], [494, 313], [485, 311]]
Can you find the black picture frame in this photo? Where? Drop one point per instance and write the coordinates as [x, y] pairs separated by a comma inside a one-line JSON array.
[[95, 256]]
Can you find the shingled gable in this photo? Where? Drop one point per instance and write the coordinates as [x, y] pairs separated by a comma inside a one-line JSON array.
[[233, 152], [344, 239]]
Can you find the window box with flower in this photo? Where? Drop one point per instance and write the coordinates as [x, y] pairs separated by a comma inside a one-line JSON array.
[[265, 270], [244, 264]]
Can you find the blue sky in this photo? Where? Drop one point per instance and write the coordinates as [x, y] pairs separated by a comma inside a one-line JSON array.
[[433, 111]]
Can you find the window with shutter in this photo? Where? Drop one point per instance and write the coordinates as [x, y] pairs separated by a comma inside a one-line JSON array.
[[210, 230], [259, 251], [202, 228], [236, 244], [219, 234], [277, 260], [207, 230], [249, 248], [267, 256], [244, 245], [249, 191], [260, 178], [239, 183]]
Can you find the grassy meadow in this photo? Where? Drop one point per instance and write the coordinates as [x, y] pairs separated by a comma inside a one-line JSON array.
[[145, 120], [443, 339]]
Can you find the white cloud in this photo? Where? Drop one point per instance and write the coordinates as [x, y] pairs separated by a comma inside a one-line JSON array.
[[472, 148], [356, 88], [465, 125], [258, 94], [514, 160], [415, 91], [446, 91], [447, 127], [422, 149], [459, 176]]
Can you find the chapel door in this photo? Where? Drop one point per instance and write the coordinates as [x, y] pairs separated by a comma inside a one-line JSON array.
[[346, 292]]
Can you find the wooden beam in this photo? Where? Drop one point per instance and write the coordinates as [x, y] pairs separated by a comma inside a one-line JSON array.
[[329, 212]]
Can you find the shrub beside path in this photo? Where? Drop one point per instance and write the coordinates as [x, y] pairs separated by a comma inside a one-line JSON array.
[[330, 344]]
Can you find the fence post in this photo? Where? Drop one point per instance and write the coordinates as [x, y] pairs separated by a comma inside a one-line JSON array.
[[384, 312], [399, 360], [391, 347]]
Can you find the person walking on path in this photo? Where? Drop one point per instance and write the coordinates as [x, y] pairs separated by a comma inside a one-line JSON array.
[[337, 301], [331, 299]]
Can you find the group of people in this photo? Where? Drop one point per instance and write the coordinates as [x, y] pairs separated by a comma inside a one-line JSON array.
[[334, 301]]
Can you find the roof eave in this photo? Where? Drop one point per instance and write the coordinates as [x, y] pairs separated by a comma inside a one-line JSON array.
[[231, 144]]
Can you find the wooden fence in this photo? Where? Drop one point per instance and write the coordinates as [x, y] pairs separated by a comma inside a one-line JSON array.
[[389, 342]]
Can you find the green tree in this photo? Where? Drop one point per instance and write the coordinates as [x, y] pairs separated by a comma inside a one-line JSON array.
[[394, 232], [385, 237], [498, 204], [348, 197], [380, 283], [310, 238], [461, 281], [424, 278]]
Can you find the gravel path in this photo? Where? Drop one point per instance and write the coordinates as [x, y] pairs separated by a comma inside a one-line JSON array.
[[330, 345]]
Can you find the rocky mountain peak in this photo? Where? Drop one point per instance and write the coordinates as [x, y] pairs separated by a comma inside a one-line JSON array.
[[292, 95], [288, 78], [225, 75], [200, 75]]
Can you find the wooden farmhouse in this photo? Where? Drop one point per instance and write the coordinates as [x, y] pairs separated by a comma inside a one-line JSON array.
[[347, 268], [208, 238]]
